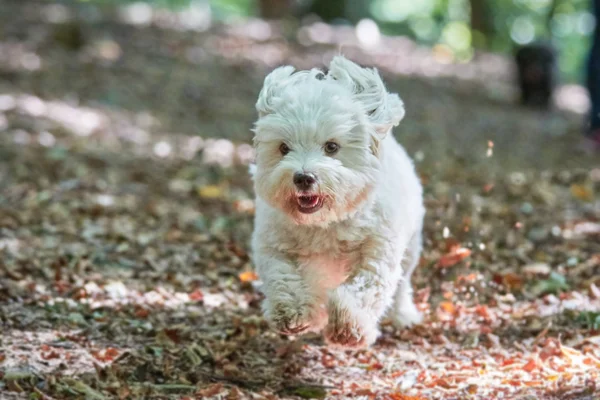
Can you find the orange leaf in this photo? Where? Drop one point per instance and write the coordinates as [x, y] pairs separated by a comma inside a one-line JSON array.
[[105, 355], [448, 307], [530, 366], [483, 312], [590, 361], [442, 383], [533, 383], [508, 361], [248, 276], [453, 257], [401, 396]]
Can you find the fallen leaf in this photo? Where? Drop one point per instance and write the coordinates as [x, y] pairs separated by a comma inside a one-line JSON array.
[[533, 383], [141, 312], [401, 396], [448, 307], [196, 295], [105, 355], [453, 257], [248, 276], [210, 192], [211, 390], [375, 366], [50, 355], [511, 281], [582, 192], [530, 366]]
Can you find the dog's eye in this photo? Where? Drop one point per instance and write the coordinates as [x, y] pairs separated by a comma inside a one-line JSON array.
[[331, 147], [284, 149]]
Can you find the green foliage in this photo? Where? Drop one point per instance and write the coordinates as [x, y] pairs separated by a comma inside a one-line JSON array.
[[555, 283], [589, 320], [510, 23]]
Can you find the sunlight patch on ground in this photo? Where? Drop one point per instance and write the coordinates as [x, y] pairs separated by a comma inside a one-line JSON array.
[[45, 351]]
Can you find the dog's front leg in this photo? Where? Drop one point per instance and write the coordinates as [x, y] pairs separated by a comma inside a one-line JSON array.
[[356, 306], [292, 306]]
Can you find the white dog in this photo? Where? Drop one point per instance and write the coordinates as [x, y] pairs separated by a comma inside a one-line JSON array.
[[339, 207]]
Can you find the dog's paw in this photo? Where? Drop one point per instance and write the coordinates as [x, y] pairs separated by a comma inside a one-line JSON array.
[[345, 331], [294, 319], [407, 315], [345, 335]]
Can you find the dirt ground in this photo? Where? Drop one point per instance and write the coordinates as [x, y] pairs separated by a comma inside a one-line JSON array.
[[126, 209]]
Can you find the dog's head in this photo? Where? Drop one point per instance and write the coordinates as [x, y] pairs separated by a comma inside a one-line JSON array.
[[318, 139]]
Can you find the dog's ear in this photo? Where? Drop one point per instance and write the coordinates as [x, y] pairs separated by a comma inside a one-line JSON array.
[[384, 110], [271, 88]]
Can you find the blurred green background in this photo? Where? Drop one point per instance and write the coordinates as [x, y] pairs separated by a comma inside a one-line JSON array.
[[458, 26]]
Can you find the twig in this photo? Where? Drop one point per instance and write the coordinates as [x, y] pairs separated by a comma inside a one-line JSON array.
[[173, 387], [42, 394], [543, 333]]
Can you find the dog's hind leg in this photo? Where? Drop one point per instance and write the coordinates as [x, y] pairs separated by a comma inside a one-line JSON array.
[[403, 311]]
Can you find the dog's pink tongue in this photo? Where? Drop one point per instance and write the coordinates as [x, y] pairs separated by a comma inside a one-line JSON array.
[[308, 201]]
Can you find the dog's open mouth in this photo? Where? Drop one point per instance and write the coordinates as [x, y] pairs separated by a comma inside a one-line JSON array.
[[309, 203]]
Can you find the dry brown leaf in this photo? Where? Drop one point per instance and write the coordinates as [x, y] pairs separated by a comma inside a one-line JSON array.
[[211, 390]]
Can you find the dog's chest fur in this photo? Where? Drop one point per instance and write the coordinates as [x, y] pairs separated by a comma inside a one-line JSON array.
[[326, 254]]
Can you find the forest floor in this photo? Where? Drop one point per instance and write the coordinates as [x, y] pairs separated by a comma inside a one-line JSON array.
[[126, 209]]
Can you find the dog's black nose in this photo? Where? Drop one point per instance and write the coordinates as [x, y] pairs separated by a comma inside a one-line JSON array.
[[304, 181]]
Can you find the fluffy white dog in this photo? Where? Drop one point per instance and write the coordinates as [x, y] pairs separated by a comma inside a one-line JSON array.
[[339, 207]]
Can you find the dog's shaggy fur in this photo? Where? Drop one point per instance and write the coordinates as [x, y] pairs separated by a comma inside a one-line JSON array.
[[338, 250]]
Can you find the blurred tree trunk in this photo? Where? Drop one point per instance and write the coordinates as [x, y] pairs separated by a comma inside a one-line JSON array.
[[274, 9], [482, 24]]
